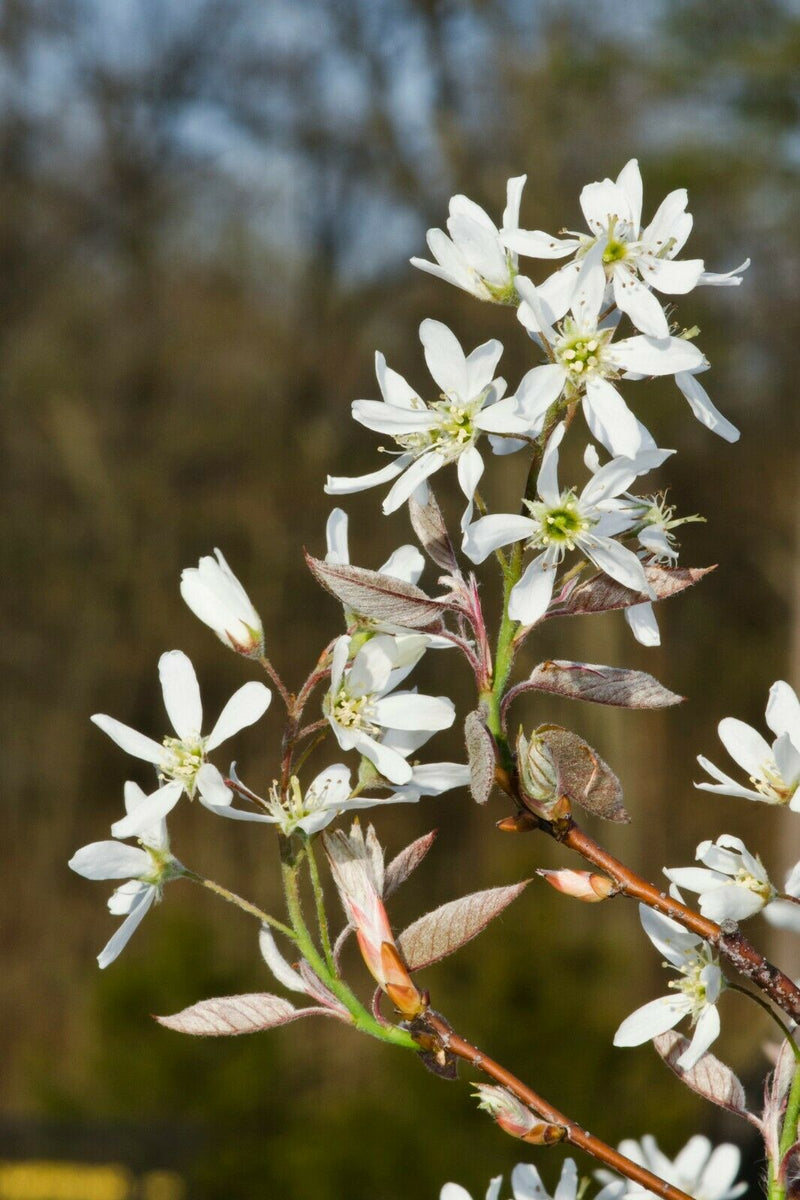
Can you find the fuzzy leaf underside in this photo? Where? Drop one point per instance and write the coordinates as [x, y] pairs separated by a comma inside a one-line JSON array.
[[709, 1077], [376, 596], [600, 685], [603, 594], [583, 777], [480, 755], [446, 929], [229, 1016], [428, 524], [405, 862]]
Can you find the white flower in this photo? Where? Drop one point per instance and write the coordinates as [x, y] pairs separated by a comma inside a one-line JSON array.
[[562, 521], [586, 360], [443, 431], [785, 914], [698, 989], [733, 885], [146, 867], [364, 716], [700, 1170], [526, 1184], [630, 260], [179, 759], [774, 770], [216, 596], [476, 258]]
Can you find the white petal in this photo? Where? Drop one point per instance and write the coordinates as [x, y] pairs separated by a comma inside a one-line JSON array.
[[696, 879], [534, 312], [556, 293], [431, 779], [407, 710], [342, 485], [513, 199], [119, 941], [504, 417], [616, 561], [152, 810], [745, 745], [635, 299], [336, 537], [526, 1183], [454, 1191], [692, 1158], [406, 563], [390, 764], [480, 246], [490, 533], [538, 389], [650, 1020], [643, 624], [481, 364], [590, 286], [291, 979], [181, 693], [394, 388], [610, 419], [668, 937], [333, 783], [534, 243], [470, 469], [783, 711], [703, 409], [787, 759], [245, 707], [567, 1188], [646, 356], [547, 479], [662, 228], [602, 200], [705, 1032], [454, 266], [407, 484], [720, 1171], [731, 902], [726, 278], [385, 418], [445, 358], [629, 181], [531, 596], [110, 860], [130, 740], [674, 278]]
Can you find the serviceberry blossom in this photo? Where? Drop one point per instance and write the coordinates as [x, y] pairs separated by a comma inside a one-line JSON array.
[[216, 596], [560, 521], [586, 362], [366, 717], [732, 885], [178, 760], [431, 435], [631, 260], [698, 988], [700, 1169], [474, 257], [526, 1184], [147, 868], [774, 770]]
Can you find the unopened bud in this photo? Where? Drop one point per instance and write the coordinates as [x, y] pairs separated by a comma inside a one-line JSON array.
[[538, 777], [510, 1113], [583, 885]]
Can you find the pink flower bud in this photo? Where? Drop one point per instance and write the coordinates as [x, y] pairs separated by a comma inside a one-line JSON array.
[[583, 885]]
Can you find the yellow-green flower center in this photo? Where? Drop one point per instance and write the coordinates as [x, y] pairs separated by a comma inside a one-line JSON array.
[[560, 524], [453, 432], [692, 984], [182, 759], [615, 251], [353, 712], [772, 786]]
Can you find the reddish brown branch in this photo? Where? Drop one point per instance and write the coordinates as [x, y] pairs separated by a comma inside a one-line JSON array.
[[730, 942], [448, 1040]]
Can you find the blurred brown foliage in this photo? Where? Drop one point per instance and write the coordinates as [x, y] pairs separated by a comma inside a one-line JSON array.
[[206, 210]]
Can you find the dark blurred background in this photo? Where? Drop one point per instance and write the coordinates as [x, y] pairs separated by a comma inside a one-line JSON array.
[[206, 212]]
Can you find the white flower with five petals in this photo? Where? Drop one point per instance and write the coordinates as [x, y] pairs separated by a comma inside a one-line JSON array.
[[526, 1184], [695, 992], [367, 715], [631, 260], [586, 361], [474, 256], [701, 1170], [146, 867], [733, 884], [560, 521], [444, 431], [180, 759], [774, 770]]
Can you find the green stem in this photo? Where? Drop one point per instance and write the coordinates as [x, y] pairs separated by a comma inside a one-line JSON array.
[[362, 1019], [776, 1188], [319, 902], [244, 905], [785, 1030]]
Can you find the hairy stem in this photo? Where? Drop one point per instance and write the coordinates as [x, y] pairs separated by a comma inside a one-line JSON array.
[[319, 902], [244, 905], [448, 1040], [776, 1186]]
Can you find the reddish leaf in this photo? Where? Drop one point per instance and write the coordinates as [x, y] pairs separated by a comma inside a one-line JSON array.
[[709, 1077], [583, 777], [379, 597], [446, 929], [405, 862], [480, 754], [227, 1016], [428, 524], [601, 594], [600, 685]]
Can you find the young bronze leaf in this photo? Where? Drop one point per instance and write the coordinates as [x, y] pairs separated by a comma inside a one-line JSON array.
[[446, 929], [601, 685], [379, 597], [480, 755], [775, 1093], [601, 593], [709, 1077], [405, 862], [428, 524], [583, 777], [227, 1016]]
